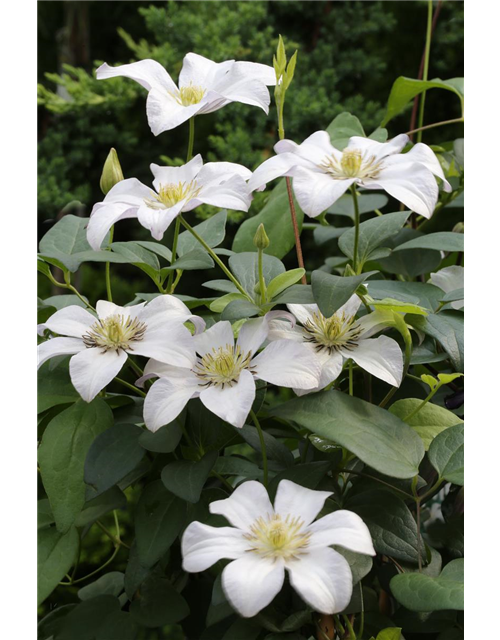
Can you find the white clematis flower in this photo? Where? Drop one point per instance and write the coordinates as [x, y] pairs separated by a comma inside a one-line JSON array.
[[264, 541], [224, 374], [336, 339], [101, 344], [176, 190], [449, 279], [204, 86], [321, 173]]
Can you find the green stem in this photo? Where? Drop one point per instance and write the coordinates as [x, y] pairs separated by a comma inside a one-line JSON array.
[[262, 446], [351, 378], [422, 404], [436, 124], [362, 620], [305, 450], [137, 369], [108, 267], [174, 251], [408, 352], [366, 475], [352, 635], [131, 387], [109, 561], [216, 258], [262, 282], [191, 140], [356, 228], [425, 75], [227, 484]]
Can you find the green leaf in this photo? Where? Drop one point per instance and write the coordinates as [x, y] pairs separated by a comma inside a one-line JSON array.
[[441, 241], [109, 584], [50, 626], [235, 466], [274, 448], [45, 516], [297, 294], [331, 292], [218, 306], [186, 479], [56, 554], [343, 127], [94, 509], [425, 295], [212, 231], [245, 267], [418, 592], [452, 296], [447, 328], [374, 435], [61, 456], [380, 134], [159, 518], [157, 248], [391, 524], [239, 309], [118, 624], [307, 475], [405, 89], [283, 281], [391, 633], [208, 432], [165, 440], [159, 604], [136, 254], [112, 455], [344, 206], [372, 234], [225, 286], [195, 259], [64, 300], [276, 218], [428, 422], [409, 263], [54, 387], [85, 620], [360, 564], [446, 454], [390, 304]]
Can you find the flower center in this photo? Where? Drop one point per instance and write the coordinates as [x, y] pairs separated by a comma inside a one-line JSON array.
[[329, 334], [352, 165], [114, 332], [222, 366], [170, 194], [273, 537], [191, 94]]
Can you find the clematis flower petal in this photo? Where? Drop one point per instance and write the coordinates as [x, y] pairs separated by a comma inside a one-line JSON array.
[[303, 312], [343, 528], [174, 309], [233, 193], [218, 336], [237, 86], [251, 583], [58, 347], [425, 155], [173, 175], [168, 397], [277, 166], [449, 279], [252, 334], [248, 502], [218, 172], [202, 546], [350, 308], [148, 73], [313, 149], [287, 364], [323, 579], [165, 113], [316, 191], [231, 403], [156, 369], [71, 321], [105, 309], [283, 330], [157, 221], [296, 501], [382, 357], [379, 149], [199, 71], [257, 71], [92, 369], [168, 342], [331, 367]]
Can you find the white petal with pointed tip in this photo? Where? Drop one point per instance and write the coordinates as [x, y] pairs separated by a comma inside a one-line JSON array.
[[286, 363], [275, 167], [165, 113], [202, 546], [173, 175], [105, 309], [382, 357], [168, 397], [218, 336], [251, 583], [71, 321], [425, 155], [148, 73], [323, 579], [91, 370], [248, 502], [58, 347], [252, 334], [315, 191], [343, 528], [167, 341], [379, 149], [296, 501], [231, 403]]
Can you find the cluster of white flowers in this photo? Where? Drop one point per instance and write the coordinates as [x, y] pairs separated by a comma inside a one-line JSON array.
[[221, 370]]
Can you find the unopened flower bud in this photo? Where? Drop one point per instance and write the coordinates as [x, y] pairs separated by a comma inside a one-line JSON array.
[[260, 240], [458, 228], [349, 271], [111, 173]]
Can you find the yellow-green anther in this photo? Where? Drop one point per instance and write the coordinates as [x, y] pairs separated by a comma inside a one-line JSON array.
[[260, 240], [111, 173]]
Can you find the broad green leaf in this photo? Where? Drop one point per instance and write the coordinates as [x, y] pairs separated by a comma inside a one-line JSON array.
[[112, 455], [283, 281], [134, 253], [195, 259], [243, 630], [391, 304], [425, 295], [331, 292], [65, 300], [297, 294], [156, 247], [118, 624], [225, 286], [54, 387], [56, 554], [274, 448], [308, 475], [446, 454], [447, 327], [377, 437], [391, 524], [245, 266], [45, 516], [212, 231], [452, 296], [186, 479], [109, 584], [367, 202], [409, 263], [276, 218], [159, 518], [322, 234], [418, 592], [440, 241], [380, 134], [85, 620], [235, 466], [360, 564], [343, 127], [160, 603], [239, 309], [94, 509], [61, 456], [218, 306], [67, 242], [208, 432], [372, 234], [428, 422], [405, 89], [165, 440], [49, 627], [391, 633]]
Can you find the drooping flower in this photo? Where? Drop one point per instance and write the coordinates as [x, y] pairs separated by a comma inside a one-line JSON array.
[[264, 541], [449, 279], [336, 339], [321, 173], [176, 190], [204, 86], [101, 343], [224, 374]]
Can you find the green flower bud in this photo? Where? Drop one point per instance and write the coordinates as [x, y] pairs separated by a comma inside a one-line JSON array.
[[458, 228], [111, 173], [260, 240], [349, 271]]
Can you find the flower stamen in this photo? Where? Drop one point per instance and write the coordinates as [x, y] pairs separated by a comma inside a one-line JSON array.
[[114, 332], [222, 366], [274, 537], [170, 194], [192, 94], [352, 164], [329, 334]]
